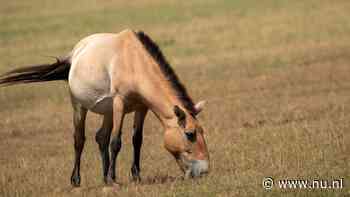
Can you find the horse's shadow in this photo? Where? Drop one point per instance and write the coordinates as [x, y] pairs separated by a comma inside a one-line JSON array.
[[153, 180], [159, 179]]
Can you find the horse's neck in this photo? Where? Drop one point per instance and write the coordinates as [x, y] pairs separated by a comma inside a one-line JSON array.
[[158, 93], [151, 83]]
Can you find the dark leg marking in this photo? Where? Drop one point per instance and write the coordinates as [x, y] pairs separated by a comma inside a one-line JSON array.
[[137, 143], [79, 117], [102, 138], [116, 143]]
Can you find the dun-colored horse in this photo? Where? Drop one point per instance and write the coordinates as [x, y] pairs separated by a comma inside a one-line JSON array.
[[115, 74]]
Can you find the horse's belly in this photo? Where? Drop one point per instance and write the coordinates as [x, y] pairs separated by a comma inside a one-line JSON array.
[[100, 104], [99, 99], [93, 96], [103, 105]]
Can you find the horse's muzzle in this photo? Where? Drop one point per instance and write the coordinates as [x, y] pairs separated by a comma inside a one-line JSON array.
[[197, 169]]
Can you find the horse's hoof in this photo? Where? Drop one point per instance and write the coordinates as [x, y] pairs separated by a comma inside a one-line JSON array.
[[109, 181], [136, 179], [135, 174], [75, 181]]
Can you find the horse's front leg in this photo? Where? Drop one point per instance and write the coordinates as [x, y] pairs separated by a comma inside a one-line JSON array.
[[79, 117], [116, 143], [137, 143]]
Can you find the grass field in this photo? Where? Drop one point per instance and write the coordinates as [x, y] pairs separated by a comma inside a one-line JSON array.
[[275, 75]]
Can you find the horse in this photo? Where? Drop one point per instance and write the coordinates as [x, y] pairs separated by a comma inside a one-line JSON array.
[[113, 74]]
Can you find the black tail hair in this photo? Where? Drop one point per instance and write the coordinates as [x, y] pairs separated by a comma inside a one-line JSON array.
[[37, 73]]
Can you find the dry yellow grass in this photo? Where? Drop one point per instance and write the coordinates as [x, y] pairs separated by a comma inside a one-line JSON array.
[[276, 75]]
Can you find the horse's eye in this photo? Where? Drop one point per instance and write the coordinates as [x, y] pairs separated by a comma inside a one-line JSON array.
[[191, 136]]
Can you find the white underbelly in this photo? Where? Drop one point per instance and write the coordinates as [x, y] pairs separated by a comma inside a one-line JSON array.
[[98, 101]]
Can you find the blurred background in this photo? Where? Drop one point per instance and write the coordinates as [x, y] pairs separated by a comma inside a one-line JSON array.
[[275, 74]]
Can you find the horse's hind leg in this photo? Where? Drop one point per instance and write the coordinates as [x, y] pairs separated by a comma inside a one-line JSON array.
[[79, 117], [137, 143], [116, 143], [102, 138]]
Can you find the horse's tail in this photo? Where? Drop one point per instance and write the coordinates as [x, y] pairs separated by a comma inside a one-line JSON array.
[[38, 73]]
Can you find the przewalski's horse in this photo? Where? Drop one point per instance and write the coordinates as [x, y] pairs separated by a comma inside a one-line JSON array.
[[115, 74]]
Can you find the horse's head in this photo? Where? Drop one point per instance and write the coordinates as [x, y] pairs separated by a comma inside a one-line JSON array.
[[186, 142]]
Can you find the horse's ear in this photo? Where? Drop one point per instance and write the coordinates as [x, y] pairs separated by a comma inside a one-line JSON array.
[[199, 106], [181, 116]]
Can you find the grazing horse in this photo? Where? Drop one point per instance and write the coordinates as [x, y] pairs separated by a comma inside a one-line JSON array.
[[115, 74]]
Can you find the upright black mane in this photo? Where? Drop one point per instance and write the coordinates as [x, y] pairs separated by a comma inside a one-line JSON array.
[[168, 71]]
